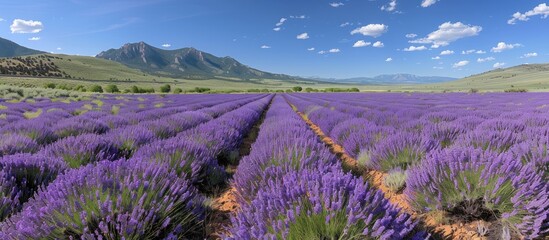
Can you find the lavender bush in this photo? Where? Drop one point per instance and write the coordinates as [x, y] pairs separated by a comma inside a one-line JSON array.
[[112, 200]]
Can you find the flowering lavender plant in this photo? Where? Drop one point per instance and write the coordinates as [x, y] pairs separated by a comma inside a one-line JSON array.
[[111, 200]]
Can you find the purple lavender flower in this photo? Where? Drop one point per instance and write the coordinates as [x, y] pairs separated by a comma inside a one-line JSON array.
[[83, 149], [23, 174], [121, 199], [14, 143]]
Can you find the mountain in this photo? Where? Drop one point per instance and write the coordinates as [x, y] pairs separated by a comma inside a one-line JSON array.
[[11, 49], [390, 79], [185, 62], [526, 76]]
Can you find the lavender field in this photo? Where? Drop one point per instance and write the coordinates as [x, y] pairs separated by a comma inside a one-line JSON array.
[[284, 166]]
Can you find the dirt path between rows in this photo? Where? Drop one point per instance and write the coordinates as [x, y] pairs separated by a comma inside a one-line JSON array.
[[427, 223], [224, 204]]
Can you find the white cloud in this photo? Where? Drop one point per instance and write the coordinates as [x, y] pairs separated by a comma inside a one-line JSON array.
[[541, 9], [448, 32], [58, 49], [499, 64], [322, 52], [361, 43], [480, 52], [303, 36], [345, 24], [411, 35], [282, 20], [299, 17], [373, 30], [265, 47], [414, 48], [502, 46], [529, 55], [34, 38], [389, 7], [334, 50], [388, 59], [436, 58], [446, 52], [488, 59], [427, 3], [336, 4], [460, 64], [378, 44], [26, 26], [438, 67], [311, 49], [276, 29], [166, 45], [1, 20], [468, 52]]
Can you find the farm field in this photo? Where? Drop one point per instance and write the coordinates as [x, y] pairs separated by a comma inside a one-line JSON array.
[[276, 166]]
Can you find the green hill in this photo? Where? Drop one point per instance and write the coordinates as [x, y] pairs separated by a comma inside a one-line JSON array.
[[11, 49], [533, 77]]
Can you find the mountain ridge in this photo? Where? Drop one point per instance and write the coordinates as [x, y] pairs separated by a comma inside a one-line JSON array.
[[184, 62]]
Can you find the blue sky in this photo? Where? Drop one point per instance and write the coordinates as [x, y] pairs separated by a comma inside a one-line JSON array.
[[350, 38]]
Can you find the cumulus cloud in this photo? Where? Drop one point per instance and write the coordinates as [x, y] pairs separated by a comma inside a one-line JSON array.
[[446, 52], [378, 44], [436, 58], [448, 32], [488, 59], [166, 45], [322, 52], [34, 38], [480, 52], [467, 52], [311, 49], [303, 36], [336, 4], [361, 43], [388, 59], [334, 50], [58, 49], [389, 7], [276, 29], [541, 9], [460, 64], [372, 30], [529, 55], [265, 47], [499, 64], [427, 3], [26, 26], [411, 35], [414, 48], [502, 46]]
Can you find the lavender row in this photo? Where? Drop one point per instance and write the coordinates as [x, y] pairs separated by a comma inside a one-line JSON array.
[[292, 187], [464, 155], [198, 154]]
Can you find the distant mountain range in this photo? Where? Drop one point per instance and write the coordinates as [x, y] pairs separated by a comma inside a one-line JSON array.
[[185, 62], [389, 79], [11, 49]]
